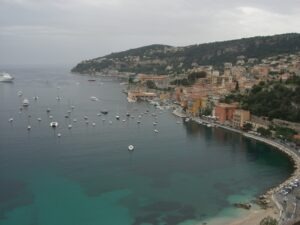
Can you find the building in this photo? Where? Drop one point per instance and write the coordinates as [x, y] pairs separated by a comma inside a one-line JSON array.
[[224, 112], [240, 116]]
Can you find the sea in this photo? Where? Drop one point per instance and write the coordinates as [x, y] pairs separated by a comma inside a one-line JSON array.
[[184, 174]]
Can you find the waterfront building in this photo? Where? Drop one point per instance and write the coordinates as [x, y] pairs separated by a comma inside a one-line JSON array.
[[224, 112], [240, 116]]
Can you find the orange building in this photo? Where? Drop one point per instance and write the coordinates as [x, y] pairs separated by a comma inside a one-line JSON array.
[[224, 112]]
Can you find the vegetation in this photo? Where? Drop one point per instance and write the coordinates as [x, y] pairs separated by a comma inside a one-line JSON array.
[[274, 99], [264, 132], [190, 80], [164, 59], [247, 127], [150, 84], [268, 221]]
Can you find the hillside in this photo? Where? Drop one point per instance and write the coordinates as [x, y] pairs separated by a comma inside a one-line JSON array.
[[164, 59]]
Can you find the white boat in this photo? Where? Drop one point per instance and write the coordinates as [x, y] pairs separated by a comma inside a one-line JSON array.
[[154, 123], [93, 98], [25, 102], [59, 135], [130, 147], [39, 119], [5, 77], [20, 93], [69, 126], [28, 127], [208, 125], [187, 119], [54, 124], [117, 117], [48, 110], [138, 121], [74, 120], [156, 131], [11, 120], [93, 124]]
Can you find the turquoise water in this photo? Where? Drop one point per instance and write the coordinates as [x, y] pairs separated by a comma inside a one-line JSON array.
[[185, 174]]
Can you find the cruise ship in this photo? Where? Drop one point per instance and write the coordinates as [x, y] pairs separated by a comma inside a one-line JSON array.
[[5, 77]]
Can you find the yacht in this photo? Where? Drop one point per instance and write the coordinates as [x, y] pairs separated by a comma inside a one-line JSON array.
[[5, 77], [104, 112], [25, 102], [54, 124]]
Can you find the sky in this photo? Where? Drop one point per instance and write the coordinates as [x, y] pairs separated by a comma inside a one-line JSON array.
[[69, 31]]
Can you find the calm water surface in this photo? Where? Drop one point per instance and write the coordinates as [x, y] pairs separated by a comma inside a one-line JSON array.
[[184, 174]]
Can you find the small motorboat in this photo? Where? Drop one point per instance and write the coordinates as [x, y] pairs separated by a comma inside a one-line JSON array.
[[154, 123], [28, 127], [35, 98], [11, 120], [86, 118], [5, 77], [91, 80], [59, 135], [67, 116], [39, 119], [25, 102], [110, 122], [20, 93], [74, 120], [58, 98], [54, 124], [70, 126], [130, 147], [98, 114], [93, 98], [104, 112], [128, 114], [93, 124], [138, 121], [48, 110], [118, 117], [50, 117], [156, 131]]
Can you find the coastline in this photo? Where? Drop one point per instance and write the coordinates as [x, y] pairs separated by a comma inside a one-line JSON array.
[[274, 207]]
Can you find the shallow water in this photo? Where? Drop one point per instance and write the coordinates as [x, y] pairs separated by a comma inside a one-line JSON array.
[[185, 174]]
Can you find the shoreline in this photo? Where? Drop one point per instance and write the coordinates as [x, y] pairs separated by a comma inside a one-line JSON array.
[[274, 207]]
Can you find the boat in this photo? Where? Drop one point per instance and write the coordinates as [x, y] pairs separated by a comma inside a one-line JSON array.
[[93, 98], [93, 124], [11, 120], [58, 98], [59, 135], [187, 119], [50, 117], [28, 127], [208, 125], [5, 77], [74, 120], [138, 121], [70, 126], [35, 98], [154, 123], [48, 110], [54, 124], [104, 112], [156, 131], [39, 119], [128, 114], [91, 80], [117, 117], [25, 102], [20, 93], [130, 147]]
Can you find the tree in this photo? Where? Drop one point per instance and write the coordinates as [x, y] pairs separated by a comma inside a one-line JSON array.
[[237, 87], [264, 132], [248, 126], [150, 84], [268, 221]]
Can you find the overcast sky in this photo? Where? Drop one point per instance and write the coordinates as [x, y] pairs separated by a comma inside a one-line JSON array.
[[68, 31]]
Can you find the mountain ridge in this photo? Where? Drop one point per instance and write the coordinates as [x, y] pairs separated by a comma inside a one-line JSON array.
[[165, 59]]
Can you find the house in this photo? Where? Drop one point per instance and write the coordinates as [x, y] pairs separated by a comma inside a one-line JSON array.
[[224, 112]]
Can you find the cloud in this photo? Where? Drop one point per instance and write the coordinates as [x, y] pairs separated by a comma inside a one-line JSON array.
[[96, 27]]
